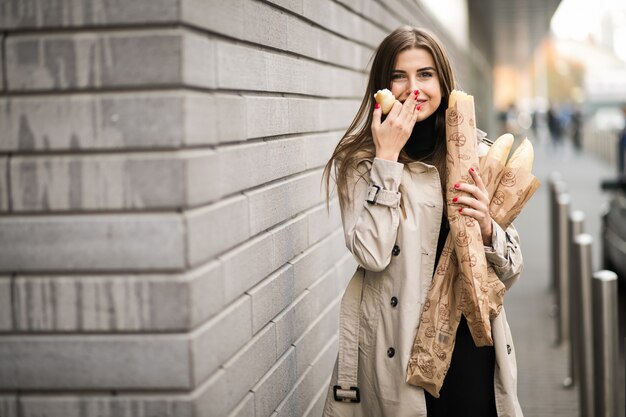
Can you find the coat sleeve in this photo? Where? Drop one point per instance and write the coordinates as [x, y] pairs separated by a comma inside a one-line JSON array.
[[370, 228], [505, 254]]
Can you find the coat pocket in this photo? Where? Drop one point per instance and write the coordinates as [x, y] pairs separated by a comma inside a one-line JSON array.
[[370, 314]]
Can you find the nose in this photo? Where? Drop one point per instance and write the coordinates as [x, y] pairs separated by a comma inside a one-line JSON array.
[[413, 84]]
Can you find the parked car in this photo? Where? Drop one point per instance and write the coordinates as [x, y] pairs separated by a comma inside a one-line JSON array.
[[614, 229]]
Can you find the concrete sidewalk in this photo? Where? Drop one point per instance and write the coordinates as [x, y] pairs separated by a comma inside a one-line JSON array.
[[541, 364]]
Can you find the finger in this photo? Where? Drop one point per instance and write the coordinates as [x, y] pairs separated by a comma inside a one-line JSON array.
[[473, 190], [408, 107], [477, 179], [470, 202], [416, 112], [473, 213], [378, 112], [395, 110]]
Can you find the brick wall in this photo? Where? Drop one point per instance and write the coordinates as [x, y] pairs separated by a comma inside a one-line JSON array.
[[165, 248]]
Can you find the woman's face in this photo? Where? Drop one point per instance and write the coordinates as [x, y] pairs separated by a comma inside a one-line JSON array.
[[414, 69]]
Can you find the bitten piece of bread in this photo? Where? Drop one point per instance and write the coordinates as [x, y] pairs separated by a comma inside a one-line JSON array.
[[385, 99]]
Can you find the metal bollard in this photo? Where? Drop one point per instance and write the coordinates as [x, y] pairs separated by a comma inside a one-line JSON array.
[[562, 262], [606, 330], [582, 255], [575, 227], [556, 187]]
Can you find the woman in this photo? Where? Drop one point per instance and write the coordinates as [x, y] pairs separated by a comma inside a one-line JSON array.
[[390, 178]]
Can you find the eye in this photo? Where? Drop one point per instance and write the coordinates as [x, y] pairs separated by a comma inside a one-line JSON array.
[[398, 77], [425, 74]]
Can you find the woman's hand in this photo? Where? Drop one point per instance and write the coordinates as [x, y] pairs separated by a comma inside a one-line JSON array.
[[476, 205], [391, 136]]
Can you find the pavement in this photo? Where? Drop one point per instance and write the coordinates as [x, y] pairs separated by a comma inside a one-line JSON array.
[[542, 365]]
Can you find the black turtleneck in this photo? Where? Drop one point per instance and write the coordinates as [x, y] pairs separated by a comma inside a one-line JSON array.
[[421, 143]]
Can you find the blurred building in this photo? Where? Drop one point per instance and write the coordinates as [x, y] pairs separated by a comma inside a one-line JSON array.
[[165, 249]]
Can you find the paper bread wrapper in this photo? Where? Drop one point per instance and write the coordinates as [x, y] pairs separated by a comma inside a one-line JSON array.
[[517, 185], [451, 293], [465, 231]]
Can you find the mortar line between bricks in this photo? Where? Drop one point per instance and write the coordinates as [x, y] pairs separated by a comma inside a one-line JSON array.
[[275, 181], [169, 275], [93, 29], [28, 334], [14, 309], [138, 212], [18, 404], [5, 85], [115, 274], [98, 392], [167, 88], [9, 189], [164, 150], [130, 151], [121, 275]]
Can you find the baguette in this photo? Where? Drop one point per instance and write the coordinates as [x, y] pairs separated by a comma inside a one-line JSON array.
[[501, 148], [457, 95], [522, 158]]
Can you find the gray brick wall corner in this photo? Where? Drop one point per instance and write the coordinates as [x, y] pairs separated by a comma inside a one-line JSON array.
[[165, 249]]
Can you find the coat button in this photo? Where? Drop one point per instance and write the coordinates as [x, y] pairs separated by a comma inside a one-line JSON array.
[[394, 301], [391, 352], [396, 250], [508, 349]]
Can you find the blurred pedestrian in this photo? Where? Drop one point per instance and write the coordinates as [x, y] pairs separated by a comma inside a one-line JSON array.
[[390, 174], [554, 126], [512, 124], [576, 122]]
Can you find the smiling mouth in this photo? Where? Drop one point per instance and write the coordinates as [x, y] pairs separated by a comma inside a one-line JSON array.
[[418, 102]]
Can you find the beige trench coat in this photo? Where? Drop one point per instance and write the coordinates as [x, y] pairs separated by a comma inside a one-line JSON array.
[[396, 257]]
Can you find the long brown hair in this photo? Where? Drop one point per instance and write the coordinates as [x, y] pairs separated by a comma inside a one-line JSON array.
[[357, 143]]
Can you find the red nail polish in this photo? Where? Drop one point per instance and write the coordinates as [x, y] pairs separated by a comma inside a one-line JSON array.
[[460, 210], [416, 92], [377, 106], [472, 169], [419, 108], [457, 185], [455, 199]]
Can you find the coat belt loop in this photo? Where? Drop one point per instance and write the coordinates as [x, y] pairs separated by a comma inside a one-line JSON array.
[[347, 389]]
